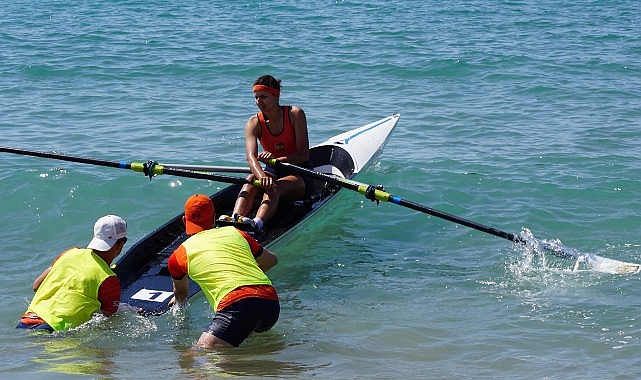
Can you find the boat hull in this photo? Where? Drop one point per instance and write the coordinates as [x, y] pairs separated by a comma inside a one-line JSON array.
[[142, 270]]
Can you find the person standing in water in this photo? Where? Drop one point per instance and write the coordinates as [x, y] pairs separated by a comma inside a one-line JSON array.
[[229, 266], [79, 282]]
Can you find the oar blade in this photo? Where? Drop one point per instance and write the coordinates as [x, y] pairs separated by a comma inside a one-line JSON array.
[[595, 262], [611, 266]]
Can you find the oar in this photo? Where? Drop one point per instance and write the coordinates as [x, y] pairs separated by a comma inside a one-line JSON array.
[[374, 193], [149, 168], [209, 169]]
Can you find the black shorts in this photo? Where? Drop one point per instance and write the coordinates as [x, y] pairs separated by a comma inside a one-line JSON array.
[[234, 323], [282, 171]]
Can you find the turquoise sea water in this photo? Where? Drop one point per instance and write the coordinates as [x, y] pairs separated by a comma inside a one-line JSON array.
[[514, 114]]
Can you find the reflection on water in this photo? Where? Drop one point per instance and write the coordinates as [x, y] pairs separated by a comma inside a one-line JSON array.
[[74, 356], [253, 358], [91, 348]]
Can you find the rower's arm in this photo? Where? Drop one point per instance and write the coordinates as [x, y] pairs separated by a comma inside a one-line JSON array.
[[181, 290], [266, 260], [38, 281]]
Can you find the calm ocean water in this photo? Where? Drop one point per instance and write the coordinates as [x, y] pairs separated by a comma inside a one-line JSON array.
[[514, 114]]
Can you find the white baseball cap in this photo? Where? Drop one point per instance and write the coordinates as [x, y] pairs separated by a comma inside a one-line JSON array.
[[107, 231]]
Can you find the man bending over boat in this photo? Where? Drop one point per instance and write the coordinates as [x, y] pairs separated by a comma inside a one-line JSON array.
[[229, 266], [79, 283], [282, 133]]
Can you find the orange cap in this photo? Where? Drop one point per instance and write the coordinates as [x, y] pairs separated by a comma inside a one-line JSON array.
[[199, 214]]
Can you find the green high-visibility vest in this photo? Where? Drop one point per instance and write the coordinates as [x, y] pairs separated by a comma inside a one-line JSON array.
[[68, 296], [220, 260]]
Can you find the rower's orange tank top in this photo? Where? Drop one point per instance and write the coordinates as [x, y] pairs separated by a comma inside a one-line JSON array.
[[279, 145]]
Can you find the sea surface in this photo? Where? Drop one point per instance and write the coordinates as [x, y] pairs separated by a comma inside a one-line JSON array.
[[521, 115]]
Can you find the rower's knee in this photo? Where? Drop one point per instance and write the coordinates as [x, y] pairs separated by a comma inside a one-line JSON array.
[[265, 202], [247, 191], [244, 194]]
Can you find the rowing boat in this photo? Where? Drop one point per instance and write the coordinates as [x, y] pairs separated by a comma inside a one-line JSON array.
[[142, 270]]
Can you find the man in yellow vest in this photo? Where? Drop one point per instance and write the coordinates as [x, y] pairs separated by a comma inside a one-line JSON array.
[[79, 282], [229, 265]]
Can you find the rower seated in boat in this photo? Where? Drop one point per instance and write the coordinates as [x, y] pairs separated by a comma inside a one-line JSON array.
[[282, 133]]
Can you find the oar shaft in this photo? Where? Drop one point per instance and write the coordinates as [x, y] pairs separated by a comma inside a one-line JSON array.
[[91, 161], [149, 169], [456, 219], [199, 175], [379, 195], [375, 194], [322, 176], [209, 168]]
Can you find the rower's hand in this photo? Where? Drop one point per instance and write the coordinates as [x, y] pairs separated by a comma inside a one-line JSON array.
[[266, 182], [265, 156]]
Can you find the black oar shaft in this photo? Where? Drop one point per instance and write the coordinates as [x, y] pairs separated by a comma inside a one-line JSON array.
[[456, 219], [148, 169], [54, 156], [375, 194]]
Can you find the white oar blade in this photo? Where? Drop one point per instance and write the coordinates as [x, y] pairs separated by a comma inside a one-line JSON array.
[[611, 266], [596, 263]]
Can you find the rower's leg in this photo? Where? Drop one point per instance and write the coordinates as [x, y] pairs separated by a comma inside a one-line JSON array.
[[290, 187], [265, 211], [245, 200]]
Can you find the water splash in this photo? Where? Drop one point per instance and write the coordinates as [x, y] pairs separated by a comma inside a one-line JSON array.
[[536, 250]]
